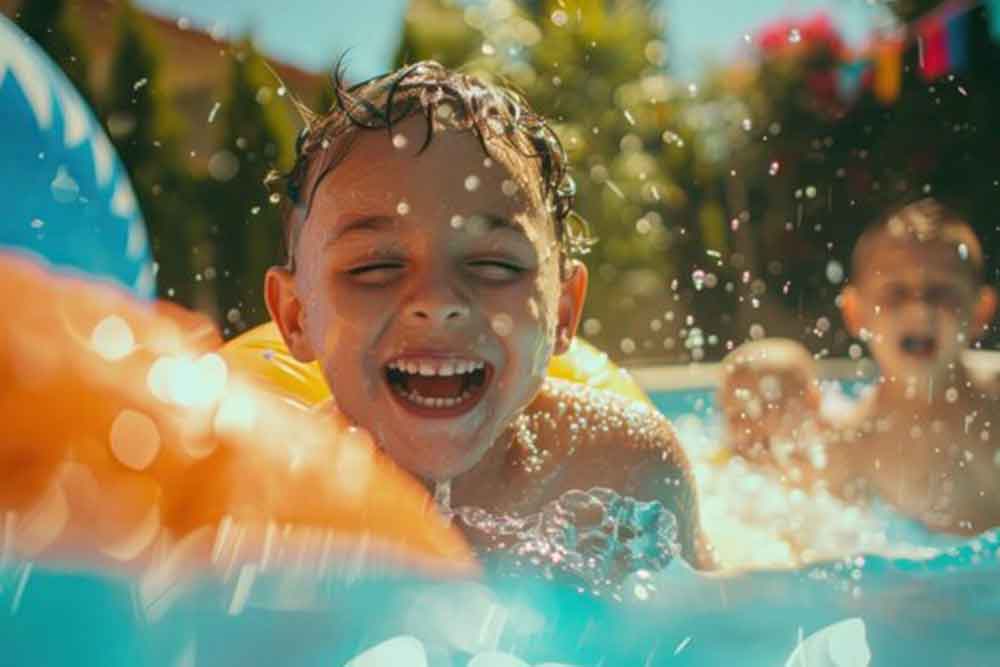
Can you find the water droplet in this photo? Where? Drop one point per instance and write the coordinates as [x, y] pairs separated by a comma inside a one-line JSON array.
[[457, 221], [112, 338], [774, 168], [756, 331], [64, 189], [746, 124], [508, 187], [274, 198], [281, 91], [794, 36], [233, 315], [502, 324], [471, 182], [854, 351], [963, 251], [223, 165], [403, 208], [135, 440], [692, 89], [140, 83], [834, 272], [951, 394], [811, 191], [399, 141], [559, 18], [254, 210], [37, 223]]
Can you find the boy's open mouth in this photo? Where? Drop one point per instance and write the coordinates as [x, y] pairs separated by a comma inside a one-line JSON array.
[[438, 387], [922, 347]]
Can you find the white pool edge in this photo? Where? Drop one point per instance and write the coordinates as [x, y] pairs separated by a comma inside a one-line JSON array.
[[669, 377]]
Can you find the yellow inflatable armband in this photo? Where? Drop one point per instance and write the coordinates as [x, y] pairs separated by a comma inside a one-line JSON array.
[[261, 353]]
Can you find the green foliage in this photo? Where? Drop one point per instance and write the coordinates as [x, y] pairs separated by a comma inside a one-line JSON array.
[[594, 68], [53, 27], [256, 137], [147, 134]]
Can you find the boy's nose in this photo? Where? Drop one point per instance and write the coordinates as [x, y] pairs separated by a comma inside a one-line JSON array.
[[437, 311]]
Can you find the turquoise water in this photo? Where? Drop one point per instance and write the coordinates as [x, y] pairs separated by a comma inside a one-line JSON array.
[[939, 611]]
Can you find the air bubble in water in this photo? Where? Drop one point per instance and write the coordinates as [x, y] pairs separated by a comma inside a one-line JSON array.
[[403, 208], [951, 394], [274, 198], [794, 36], [471, 182], [774, 168], [399, 141]]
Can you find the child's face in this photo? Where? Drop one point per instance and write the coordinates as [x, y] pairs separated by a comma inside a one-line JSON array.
[[428, 288], [919, 306]]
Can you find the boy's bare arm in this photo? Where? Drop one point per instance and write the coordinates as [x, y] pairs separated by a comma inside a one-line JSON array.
[[658, 469], [628, 446]]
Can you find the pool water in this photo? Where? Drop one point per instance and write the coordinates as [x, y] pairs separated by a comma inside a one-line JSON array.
[[848, 611]]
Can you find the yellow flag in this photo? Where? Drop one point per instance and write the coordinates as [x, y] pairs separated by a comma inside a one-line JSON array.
[[888, 70]]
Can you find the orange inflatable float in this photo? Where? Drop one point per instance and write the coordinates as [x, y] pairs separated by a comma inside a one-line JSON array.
[[262, 353], [121, 429]]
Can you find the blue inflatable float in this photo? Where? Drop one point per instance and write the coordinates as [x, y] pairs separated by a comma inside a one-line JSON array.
[[67, 198]]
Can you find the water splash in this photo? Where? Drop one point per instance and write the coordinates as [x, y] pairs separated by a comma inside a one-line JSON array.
[[595, 537]]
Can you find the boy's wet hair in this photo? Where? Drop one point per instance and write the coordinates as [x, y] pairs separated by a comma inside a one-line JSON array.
[[926, 220], [499, 117]]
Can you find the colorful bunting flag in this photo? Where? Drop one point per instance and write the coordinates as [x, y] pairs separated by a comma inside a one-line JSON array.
[[993, 13], [888, 70], [932, 42], [956, 26], [850, 77]]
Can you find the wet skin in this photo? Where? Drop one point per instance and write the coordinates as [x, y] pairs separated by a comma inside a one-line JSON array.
[[447, 256]]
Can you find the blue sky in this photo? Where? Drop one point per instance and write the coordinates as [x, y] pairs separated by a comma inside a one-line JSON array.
[[312, 33]]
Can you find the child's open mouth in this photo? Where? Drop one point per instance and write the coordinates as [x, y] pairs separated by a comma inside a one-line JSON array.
[[922, 347], [438, 387]]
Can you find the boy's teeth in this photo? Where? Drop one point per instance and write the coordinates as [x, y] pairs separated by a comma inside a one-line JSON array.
[[430, 402], [432, 367]]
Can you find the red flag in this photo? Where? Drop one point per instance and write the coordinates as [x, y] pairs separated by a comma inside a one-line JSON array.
[[933, 44]]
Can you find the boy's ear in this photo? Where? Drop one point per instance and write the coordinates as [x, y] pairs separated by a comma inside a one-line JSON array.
[[572, 295], [985, 309], [286, 310], [851, 310]]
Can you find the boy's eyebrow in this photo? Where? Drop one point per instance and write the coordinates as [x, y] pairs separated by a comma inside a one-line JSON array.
[[362, 224], [378, 223]]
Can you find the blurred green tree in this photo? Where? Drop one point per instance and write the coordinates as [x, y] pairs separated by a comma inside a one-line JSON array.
[[597, 70], [147, 134], [256, 136], [54, 27]]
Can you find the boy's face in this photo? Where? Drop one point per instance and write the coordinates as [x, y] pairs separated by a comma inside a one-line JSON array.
[[920, 306], [428, 289]]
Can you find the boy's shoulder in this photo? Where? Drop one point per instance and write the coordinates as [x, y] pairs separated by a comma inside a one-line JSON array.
[[580, 424]]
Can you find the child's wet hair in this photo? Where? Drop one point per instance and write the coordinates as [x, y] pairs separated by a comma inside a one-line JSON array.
[[926, 220], [500, 118]]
